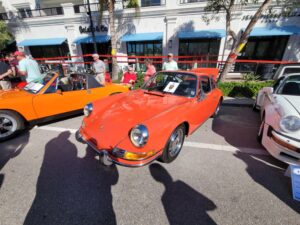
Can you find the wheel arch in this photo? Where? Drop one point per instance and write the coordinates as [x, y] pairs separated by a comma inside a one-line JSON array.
[[16, 112]]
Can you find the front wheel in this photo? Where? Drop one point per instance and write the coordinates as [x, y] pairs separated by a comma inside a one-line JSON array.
[[10, 124], [216, 113], [174, 145]]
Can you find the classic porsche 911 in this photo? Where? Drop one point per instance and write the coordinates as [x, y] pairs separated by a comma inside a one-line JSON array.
[[57, 96], [135, 128], [279, 107]]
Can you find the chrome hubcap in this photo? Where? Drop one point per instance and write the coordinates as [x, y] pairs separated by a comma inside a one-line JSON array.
[[176, 142], [8, 125]]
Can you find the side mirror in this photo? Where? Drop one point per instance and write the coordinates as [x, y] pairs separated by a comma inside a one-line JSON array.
[[58, 91], [268, 90]]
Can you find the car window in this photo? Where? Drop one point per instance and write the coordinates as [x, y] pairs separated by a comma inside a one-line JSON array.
[[92, 82], [291, 86], [174, 83], [205, 84], [213, 84], [291, 70]]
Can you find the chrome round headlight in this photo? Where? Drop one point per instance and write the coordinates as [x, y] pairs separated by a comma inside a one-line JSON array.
[[88, 109], [290, 123], [139, 135]]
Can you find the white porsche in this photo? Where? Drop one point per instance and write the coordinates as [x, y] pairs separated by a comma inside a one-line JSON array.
[[279, 108]]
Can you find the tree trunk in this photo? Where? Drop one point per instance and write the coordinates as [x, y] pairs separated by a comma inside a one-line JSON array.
[[242, 40], [113, 34]]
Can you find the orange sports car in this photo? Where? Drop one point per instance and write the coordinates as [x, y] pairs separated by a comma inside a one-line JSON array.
[[56, 96], [135, 128]]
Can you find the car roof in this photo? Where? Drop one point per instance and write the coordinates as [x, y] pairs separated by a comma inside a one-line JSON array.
[[290, 64]]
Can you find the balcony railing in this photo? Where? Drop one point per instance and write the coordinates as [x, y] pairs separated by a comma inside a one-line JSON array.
[[83, 8], [190, 1], [27, 13], [147, 3]]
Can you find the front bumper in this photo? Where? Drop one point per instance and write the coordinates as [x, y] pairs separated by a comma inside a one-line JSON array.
[[108, 157], [280, 146]]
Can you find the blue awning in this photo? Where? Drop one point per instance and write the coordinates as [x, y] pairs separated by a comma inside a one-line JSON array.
[[216, 33], [154, 36], [275, 31], [41, 42], [89, 39]]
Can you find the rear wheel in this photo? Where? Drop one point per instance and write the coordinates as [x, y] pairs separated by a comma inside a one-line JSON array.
[[216, 113], [10, 124], [174, 145]]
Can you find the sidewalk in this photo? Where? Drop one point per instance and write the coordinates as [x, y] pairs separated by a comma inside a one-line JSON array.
[[243, 102]]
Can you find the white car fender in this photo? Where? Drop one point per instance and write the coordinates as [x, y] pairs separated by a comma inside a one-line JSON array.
[[272, 115]]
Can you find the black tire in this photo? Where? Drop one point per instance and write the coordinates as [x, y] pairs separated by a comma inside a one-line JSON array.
[[10, 124], [169, 154], [216, 113], [261, 130]]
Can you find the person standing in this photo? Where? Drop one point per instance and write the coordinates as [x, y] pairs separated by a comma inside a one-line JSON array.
[[171, 64], [28, 68], [5, 72], [99, 69], [150, 70]]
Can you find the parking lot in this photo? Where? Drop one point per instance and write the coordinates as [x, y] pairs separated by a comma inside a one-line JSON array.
[[222, 176]]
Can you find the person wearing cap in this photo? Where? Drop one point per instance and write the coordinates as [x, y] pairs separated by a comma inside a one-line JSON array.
[[171, 64], [28, 68], [99, 69], [5, 72], [129, 77]]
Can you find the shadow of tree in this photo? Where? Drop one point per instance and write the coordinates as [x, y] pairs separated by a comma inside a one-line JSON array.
[[183, 204], [72, 190], [11, 149]]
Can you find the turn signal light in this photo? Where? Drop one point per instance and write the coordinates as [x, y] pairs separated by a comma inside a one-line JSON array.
[[286, 145], [138, 156]]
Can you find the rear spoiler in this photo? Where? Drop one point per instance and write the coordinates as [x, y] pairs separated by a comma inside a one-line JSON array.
[[214, 72]]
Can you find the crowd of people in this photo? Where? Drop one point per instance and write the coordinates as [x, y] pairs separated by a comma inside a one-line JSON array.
[[17, 65]]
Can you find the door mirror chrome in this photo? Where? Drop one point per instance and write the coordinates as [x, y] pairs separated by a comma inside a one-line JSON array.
[[268, 90]]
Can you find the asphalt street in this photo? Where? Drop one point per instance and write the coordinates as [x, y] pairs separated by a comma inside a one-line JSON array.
[[222, 176]]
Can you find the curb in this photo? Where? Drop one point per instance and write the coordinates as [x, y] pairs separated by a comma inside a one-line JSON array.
[[243, 102]]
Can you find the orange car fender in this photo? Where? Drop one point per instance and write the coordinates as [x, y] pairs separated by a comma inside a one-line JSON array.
[[22, 106], [160, 128]]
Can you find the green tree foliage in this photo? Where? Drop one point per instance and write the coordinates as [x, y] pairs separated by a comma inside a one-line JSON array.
[[5, 36], [238, 39]]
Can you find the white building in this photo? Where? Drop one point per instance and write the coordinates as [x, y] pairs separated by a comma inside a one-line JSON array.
[[48, 28]]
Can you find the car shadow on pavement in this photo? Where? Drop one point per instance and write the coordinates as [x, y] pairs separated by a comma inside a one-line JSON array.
[[240, 131], [10, 149], [182, 204], [72, 190]]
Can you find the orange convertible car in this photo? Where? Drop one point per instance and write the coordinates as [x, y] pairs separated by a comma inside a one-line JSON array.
[[135, 128], [55, 97]]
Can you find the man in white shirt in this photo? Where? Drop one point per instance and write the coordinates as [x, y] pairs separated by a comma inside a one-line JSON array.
[[171, 64]]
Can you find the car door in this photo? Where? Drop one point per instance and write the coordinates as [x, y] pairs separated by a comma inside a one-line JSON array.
[[201, 107], [56, 101]]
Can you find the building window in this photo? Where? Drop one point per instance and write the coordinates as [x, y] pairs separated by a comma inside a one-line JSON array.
[[190, 1], [49, 51], [144, 48], [261, 48], [145, 3], [203, 49], [265, 48]]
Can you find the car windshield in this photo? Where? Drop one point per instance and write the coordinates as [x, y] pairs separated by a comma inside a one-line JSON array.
[[34, 88], [174, 83], [291, 86]]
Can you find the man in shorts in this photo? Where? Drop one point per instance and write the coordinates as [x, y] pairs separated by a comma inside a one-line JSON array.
[[99, 69]]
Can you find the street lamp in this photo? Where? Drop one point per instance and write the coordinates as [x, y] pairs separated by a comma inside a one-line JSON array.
[[92, 27]]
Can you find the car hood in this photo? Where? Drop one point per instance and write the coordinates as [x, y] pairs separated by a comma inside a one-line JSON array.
[[288, 104], [14, 93], [112, 123]]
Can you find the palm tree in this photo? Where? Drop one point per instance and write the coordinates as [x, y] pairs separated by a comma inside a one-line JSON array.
[[110, 5]]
